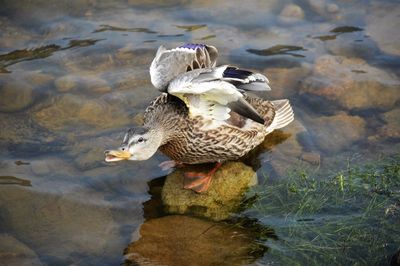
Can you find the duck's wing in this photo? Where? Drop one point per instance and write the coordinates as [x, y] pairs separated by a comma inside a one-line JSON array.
[[168, 64], [240, 78], [213, 93]]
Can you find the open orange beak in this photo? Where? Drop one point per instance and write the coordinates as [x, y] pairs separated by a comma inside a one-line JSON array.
[[115, 155]]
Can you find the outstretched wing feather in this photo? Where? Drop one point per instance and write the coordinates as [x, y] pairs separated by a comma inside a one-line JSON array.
[[168, 64]]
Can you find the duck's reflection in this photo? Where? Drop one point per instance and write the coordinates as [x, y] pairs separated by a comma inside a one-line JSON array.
[[212, 237], [184, 240]]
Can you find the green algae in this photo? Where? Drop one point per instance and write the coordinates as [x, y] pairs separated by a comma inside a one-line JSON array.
[[349, 217]]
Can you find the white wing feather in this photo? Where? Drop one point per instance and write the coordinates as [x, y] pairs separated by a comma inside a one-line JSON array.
[[208, 99]]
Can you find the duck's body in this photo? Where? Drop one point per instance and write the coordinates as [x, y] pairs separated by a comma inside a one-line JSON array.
[[188, 139], [203, 114]]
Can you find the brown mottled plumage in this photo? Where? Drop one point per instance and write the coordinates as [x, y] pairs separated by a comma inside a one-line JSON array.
[[186, 141], [204, 115]]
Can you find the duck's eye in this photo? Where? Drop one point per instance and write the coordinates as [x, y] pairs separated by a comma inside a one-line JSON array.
[[140, 139]]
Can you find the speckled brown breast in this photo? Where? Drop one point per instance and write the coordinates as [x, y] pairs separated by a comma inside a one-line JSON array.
[[188, 142]]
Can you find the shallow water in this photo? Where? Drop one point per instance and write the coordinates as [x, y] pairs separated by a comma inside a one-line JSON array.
[[74, 76]]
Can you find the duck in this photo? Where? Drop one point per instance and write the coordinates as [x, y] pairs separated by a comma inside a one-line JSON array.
[[204, 114]]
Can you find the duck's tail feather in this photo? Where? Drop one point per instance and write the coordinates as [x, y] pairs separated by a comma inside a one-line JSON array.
[[283, 115]]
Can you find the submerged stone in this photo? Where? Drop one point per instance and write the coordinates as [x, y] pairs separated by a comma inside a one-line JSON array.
[[221, 199], [291, 13], [286, 81], [88, 153], [383, 25], [324, 7], [70, 111], [335, 133], [183, 240], [352, 83], [15, 95], [12, 36], [20, 134], [392, 127], [57, 226], [296, 145], [90, 83], [14, 252]]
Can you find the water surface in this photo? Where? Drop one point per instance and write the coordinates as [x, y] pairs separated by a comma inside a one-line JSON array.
[[74, 76]]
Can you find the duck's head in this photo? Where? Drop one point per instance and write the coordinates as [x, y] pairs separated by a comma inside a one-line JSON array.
[[140, 143]]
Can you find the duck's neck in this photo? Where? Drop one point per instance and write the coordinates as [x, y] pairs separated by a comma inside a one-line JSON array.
[[163, 132], [167, 118]]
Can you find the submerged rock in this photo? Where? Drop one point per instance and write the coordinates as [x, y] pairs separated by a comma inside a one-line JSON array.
[[52, 165], [392, 127], [296, 145], [285, 82], [14, 252], [222, 198], [323, 7], [335, 133], [90, 83], [88, 153], [20, 134], [352, 83], [12, 36], [15, 95], [291, 13], [60, 228], [183, 240], [70, 111], [383, 25]]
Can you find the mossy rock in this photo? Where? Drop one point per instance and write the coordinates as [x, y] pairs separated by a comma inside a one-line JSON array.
[[223, 197]]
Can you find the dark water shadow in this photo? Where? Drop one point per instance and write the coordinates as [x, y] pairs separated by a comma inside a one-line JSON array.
[[208, 37], [338, 31], [12, 180], [170, 35], [345, 29], [41, 52], [189, 28], [278, 50], [104, 28]]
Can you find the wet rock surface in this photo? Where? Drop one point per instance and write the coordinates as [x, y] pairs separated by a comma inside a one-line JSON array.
[[392, 127], [335, 133], [286, 82], [183, 240], [16, 253], [20, 92], [382, 25], [25, 213], [221, 199], [74, 82], [75, 111], [288, 148], [291, 13], [19, 134], [88, 153], [352, 83]]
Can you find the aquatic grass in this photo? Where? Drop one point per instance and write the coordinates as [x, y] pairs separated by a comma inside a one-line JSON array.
[[348, 217]]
